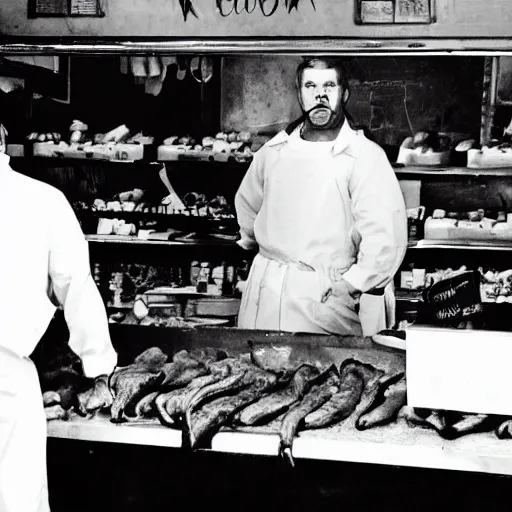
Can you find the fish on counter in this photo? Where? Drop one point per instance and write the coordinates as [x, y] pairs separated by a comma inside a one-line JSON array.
[[94, 399], [134, 381], [205, 421], [325, 385], [52, 406], [200, 391], [393, 398], [285, 359], [451, 425], [343, 403], [277, 402], [188, 365], [170, 406]]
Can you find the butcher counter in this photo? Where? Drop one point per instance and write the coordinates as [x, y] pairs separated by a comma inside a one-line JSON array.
[[353, 455], [397, 445]]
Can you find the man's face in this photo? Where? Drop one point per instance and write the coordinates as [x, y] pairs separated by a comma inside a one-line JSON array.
[[321, 97]]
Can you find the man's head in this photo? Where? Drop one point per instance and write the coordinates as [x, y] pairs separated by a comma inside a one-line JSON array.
[[322, 88]]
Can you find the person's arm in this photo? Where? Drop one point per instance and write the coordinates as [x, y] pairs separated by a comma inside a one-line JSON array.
[[381, 222], [248, 201], [72, 285]]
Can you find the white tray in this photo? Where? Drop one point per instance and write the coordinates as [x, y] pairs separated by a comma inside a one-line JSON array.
[[490, 158]]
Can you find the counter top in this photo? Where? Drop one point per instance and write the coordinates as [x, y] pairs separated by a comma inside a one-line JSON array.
[[397, 445]]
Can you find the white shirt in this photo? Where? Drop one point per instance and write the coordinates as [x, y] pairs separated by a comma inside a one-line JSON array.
[[335, 206], [43, 254]]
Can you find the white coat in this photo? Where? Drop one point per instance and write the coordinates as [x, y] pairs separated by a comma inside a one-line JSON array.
[[320, 213], [44, 262]]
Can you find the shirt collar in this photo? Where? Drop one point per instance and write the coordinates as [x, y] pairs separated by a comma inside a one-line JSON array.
[[4, 161], [341, 143]]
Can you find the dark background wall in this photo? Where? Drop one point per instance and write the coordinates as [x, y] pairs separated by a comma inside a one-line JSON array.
[[437, 93], [390, 96]]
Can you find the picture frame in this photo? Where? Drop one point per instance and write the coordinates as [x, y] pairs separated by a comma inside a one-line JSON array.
[[65, 9], [395, 12]]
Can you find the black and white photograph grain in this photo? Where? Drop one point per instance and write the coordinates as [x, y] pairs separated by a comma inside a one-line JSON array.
[[255, 255]]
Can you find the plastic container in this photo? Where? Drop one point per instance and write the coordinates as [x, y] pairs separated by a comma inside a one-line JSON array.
[[450, 229], [408, 156], [489, 158]]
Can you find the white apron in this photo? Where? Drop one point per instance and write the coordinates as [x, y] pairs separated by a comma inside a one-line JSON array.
[[23, 480], [305, 231]]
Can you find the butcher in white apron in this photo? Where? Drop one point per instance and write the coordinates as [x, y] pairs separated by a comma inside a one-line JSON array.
[[44, 262], [324, 207]]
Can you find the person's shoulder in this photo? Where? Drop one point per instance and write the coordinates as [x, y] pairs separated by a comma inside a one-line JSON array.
[[274, 142], [270, 148], [366, 147], [33, 189]]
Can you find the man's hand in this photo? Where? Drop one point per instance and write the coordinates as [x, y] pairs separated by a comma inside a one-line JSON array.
[[353, 292], [95, 398]]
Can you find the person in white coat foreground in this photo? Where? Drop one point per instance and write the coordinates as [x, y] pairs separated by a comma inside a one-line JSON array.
[[322, 205], [44, 262]]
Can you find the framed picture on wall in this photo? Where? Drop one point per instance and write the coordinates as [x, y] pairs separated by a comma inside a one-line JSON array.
[[64, 8], [48, 76], [394, 12]]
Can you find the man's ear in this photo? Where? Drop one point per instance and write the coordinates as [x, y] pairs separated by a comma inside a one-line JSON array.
[[346, 95]]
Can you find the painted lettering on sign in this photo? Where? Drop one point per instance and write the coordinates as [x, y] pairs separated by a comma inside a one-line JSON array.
[[187, 8], [228, 7], [265, 7], [456, 297]]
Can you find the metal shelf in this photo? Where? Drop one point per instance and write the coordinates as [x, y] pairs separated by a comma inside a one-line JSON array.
[[360, 46]]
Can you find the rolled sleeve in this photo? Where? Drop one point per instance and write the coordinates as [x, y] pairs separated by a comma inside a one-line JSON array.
[[76, 292], [380, 219]]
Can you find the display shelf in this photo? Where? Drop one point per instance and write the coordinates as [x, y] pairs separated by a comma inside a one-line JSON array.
[[420, 244], [423, 171], [135, 164], [398, 444], [409, 295], [476, 245], [413, 171], [133, 240]]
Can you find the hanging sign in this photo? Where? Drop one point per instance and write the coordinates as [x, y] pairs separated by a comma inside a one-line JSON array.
[[455, 298]]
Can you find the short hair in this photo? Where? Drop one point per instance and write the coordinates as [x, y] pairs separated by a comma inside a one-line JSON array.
[[322, 63]]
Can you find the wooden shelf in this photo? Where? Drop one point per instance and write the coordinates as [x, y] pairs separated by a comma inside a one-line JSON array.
[[413, 171], [145, 163], [416, 245], [132, 240], [422, 171], [460, 245]]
